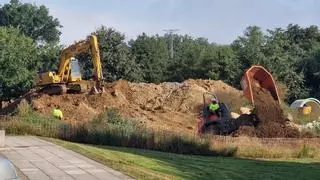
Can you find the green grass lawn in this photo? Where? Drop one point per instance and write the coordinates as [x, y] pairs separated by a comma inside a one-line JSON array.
[[146, 164]]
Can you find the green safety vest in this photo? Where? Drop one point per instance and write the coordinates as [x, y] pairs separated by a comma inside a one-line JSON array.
[[57, 113], [213, 107]]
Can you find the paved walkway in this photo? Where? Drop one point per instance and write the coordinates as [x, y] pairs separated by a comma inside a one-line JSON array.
[[41, 160]]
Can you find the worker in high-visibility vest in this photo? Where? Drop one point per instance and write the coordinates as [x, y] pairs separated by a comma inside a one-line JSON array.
[[214, 107], [212, 110], [57, 113]]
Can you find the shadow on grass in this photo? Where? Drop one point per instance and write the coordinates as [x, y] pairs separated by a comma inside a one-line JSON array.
[[201, 167]]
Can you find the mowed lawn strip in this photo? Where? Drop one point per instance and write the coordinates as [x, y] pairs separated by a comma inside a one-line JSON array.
[[146, 164]]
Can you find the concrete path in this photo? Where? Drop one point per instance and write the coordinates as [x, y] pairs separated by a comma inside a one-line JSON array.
[[41, 160]]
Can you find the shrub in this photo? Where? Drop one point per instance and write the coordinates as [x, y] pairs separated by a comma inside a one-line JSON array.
[[305, 152], [109, 128], [29, 122], [316, 126], [168, 142]]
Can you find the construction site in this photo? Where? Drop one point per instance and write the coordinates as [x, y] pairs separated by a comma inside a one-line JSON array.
[[254, 110], [252, 120], [168, 106], [192, 107], [159, 90], [194, 117]]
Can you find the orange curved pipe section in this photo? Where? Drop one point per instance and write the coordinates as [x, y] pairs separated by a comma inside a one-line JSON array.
[[258, 76]]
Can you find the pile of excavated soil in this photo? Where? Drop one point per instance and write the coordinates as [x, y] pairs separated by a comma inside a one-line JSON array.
[[165, 106], [272, 122]]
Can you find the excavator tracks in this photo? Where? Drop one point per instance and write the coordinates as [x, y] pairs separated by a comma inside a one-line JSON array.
[[71, 88], [77, 87], [54, 89]]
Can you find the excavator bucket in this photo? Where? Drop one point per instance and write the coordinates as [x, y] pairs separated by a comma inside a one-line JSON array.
[[97, 88], [258, 76]]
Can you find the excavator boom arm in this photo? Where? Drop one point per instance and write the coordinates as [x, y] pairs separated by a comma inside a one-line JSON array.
[[96, 57]]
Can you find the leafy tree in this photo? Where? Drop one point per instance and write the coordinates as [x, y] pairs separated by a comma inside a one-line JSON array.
[[117, 61], [279, 51], [303, 39], [294, 48], [250, 47], [151, 54], [221, 63], [276, 51], [197, 58], [283, 56], [49, 56], [188, 56], [312, 73], [19, 62], [34, 21]]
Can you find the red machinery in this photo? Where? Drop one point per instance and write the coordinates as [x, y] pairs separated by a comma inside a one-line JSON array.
[[210, 122], [255, 76], [258, 76]]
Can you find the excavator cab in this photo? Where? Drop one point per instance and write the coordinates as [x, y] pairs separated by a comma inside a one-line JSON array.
[[75, 70]]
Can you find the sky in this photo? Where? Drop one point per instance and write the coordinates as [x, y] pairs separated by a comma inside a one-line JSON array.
[[220, 21]]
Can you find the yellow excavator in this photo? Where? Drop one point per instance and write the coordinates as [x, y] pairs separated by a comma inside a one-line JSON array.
[[68, 77]]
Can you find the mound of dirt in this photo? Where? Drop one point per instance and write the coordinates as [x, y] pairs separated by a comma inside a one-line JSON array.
[[166, 106], [249, 131], [272, 122]]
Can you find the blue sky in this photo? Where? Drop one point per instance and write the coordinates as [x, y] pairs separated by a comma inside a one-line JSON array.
[[220, 21]]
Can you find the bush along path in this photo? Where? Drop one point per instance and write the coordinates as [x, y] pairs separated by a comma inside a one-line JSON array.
[[108, 129]]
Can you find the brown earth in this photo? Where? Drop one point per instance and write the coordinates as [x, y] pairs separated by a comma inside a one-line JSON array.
[[248, 131], [272, 122], [165, 106]]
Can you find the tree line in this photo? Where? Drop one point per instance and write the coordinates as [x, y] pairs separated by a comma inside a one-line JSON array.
[[29, 38]]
